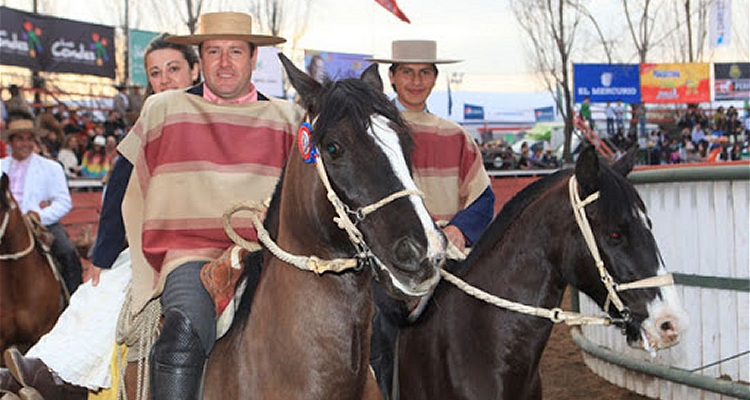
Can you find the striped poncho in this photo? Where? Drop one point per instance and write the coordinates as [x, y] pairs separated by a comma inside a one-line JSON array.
[[192, 160], [447, 164]]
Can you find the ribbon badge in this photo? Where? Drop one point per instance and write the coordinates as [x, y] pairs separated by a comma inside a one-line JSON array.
[[305, 144]]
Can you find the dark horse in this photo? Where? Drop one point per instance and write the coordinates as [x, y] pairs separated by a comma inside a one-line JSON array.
[[308, 335], [463, 348], [30, 296]]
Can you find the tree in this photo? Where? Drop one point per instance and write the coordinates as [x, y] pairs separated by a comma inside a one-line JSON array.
[[551, 27]]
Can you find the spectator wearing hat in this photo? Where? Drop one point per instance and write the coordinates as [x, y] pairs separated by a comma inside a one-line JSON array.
[[39, 186], [17, 102], [95, 163], [447, 166]]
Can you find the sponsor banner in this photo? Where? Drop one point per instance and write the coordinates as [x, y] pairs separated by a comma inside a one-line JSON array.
[[49, 44], [138, 41], [719, 23], [473, 112], [607, 82], [335, 66], [544, 114], [732, 81], [267, 75], [675, 83]]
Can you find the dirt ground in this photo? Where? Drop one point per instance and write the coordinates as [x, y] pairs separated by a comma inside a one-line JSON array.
[[566, 377]]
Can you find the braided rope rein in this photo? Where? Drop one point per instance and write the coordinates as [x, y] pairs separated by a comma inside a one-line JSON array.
[[557, 315]]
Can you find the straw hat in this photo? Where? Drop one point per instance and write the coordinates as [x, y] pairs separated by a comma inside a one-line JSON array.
[[226, 26], [413, 52], [23, 125]]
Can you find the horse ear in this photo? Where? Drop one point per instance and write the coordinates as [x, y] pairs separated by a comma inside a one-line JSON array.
[[371, 76], [625, 164], [4, 182], [587, 171], [307, 87]]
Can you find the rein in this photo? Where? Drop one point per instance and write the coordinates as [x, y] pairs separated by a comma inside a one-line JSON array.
[[4, 226], [557, 315], [343, 221]]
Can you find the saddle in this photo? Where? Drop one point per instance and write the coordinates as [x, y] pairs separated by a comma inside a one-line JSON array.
[[42, 235]]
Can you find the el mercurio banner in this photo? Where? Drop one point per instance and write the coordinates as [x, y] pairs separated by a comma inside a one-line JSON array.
[[676, 83], [48, 44]]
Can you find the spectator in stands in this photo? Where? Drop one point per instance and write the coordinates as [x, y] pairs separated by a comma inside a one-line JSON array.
[[120, 101], [524, 161], [17, 103], [586, 112], [610, 114], [53, 140], [39, 186], [135, 101], [697, 135], [719, 118], [68, 157], [549, 159], [733, 126], [95, 163], [640, 118], [620, 116], [114, 125]]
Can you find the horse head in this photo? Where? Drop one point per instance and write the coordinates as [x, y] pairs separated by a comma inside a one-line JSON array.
[[632, 284], [356, 139]]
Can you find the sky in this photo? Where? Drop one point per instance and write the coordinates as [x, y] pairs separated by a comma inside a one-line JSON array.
[[482, 33]]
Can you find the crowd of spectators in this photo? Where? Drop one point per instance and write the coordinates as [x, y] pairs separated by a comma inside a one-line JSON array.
[[84, 146], [719, 137]]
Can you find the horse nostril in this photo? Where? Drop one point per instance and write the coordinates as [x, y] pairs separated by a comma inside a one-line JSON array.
[[666, 326], [408, 253]]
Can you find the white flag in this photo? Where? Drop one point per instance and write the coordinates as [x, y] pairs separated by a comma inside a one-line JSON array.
[[720, 23]]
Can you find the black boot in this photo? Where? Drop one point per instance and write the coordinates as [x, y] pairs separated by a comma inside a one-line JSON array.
[[176, 360]]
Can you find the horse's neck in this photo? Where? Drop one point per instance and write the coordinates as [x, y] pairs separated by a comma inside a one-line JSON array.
[[16, 234]]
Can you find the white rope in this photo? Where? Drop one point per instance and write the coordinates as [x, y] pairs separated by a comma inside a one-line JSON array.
[[557, 315], [19, 254]]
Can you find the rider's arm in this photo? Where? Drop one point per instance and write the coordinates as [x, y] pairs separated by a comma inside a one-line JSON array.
[[473, 219], [110, 237]]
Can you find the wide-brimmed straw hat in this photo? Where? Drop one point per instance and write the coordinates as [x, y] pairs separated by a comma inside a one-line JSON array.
[[226, 26], [23, 125], [413, 52]]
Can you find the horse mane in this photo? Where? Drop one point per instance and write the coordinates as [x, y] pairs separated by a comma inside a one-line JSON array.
[[336, 99], [508, 214], [616, 194]]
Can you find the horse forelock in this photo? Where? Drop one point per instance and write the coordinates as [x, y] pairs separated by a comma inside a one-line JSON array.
[[355, 101]]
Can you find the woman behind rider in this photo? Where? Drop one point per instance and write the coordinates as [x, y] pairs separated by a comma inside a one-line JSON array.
[[83, 360]]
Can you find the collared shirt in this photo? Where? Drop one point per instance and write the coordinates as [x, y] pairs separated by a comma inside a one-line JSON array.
[[212, 97], [402, 108], [17, 177]]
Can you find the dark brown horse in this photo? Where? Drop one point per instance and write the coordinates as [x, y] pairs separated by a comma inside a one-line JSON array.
[[308, 335], [30, 296], [463, 348]]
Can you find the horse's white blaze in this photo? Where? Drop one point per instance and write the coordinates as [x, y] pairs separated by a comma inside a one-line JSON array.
[[387, 139], [667, 319]]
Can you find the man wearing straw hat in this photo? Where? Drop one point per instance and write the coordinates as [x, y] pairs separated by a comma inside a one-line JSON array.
[[447, 166], [39, 186], [193, 152]]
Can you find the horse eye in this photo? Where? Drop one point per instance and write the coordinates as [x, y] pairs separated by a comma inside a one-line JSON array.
[[615, 238], [333, 148]]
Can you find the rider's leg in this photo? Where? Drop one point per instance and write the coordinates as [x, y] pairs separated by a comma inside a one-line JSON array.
[[187, 336], [68, 257]]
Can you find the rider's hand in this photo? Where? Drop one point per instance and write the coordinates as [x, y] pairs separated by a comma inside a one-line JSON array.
[[455, 236]]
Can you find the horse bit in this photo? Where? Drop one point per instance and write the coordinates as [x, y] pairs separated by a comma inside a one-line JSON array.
[[557, 315], [4, 227]]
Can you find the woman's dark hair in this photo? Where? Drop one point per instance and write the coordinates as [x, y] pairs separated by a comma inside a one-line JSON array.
[[159, 43]]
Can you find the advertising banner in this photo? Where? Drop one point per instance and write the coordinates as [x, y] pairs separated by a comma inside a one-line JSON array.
[[138, 42], [49, 44], [544, 114], [335, 66], [607, 82], [473, 111], [675, 83], [267, 76], [732, 81]]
